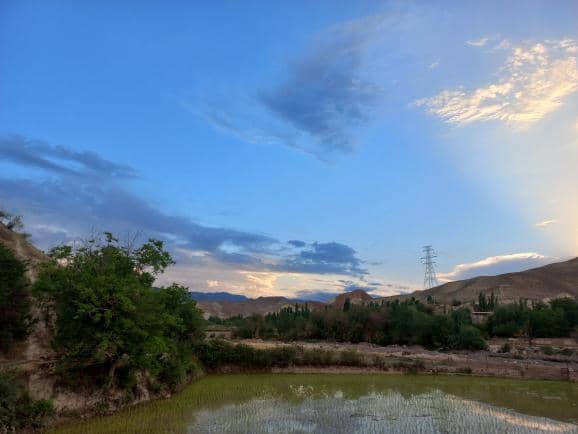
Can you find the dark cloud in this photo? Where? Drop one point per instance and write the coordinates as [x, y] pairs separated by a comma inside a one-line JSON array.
[[324, 94], [60, 159], [325, 258], [297, 243]]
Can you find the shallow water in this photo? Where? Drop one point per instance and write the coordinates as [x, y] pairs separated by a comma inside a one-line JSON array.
[[337, 403]]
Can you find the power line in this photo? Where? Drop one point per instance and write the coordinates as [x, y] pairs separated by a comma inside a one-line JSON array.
[[428, 259]]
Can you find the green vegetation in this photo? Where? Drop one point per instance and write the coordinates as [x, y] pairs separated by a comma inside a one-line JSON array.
[[110, 321], [559, 318], [486, 304], [405, 323], [17, 409], [14, 299]]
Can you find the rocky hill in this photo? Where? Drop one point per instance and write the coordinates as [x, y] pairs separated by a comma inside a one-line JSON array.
[[358, 296], [542, 283]]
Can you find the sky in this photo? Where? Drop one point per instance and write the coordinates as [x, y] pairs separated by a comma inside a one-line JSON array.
[[296, 148]]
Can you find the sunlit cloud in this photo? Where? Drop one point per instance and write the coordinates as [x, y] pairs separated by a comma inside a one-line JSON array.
[[477, 42], [545, 223], [533, 82], [495, 265]]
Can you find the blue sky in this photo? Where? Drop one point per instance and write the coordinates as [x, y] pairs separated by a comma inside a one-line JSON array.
[[297, 147]]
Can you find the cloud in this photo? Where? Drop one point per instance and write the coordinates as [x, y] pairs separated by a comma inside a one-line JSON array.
[[63, 206], [60, 159], [534, 81], [324, 258], [477, 42], [495, 265], [544, 224], [324, 94], [297, 243], [319, 104]]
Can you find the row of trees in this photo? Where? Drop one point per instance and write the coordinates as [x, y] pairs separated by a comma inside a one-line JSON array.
[[412, 322], [408, 322]]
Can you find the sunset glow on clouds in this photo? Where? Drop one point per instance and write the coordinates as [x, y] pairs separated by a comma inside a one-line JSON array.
[[533, 81]]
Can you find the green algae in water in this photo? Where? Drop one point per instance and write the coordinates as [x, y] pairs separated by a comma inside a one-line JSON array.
[[308, 403]]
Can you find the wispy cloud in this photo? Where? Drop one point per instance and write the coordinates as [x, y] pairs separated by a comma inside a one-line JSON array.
[[322, 99], [67, 203], [324, 94], [545, 223], [477, 42], [534, 81], [494, 265], [60, 159]]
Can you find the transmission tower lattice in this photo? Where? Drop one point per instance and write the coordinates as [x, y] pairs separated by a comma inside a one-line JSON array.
[[430, 279]]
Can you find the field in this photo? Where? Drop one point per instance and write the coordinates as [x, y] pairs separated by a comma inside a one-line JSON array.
[[350, 403]]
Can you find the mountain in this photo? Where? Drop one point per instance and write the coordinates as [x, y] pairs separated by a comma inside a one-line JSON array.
[[358, 296], [217, 296], [542, 283], [261, 305]]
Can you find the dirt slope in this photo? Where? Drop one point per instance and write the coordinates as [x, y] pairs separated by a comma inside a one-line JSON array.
[[543, 283]]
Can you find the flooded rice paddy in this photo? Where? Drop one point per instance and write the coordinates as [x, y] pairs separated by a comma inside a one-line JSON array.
[[338, 403]]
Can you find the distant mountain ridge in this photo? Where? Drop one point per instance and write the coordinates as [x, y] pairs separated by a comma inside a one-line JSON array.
[[541, 283], [261, 305], [217, 296]]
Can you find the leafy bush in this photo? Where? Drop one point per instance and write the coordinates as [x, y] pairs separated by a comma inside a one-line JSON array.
[[17, 409], [468, 338], [111, 322], [350, 358], [14, 299]]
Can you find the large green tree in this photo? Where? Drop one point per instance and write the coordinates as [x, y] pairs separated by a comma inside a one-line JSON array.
[[110, 320]]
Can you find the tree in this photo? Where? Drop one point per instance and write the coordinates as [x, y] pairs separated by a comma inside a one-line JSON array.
[[110, 321], [14, 299]]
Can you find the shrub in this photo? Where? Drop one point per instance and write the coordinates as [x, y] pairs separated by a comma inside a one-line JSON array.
[[14, 299], [350, 358], [317, 357], [468, 338], [17, 409]]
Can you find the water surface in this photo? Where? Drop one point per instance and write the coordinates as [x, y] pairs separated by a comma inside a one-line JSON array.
[[337, 403]]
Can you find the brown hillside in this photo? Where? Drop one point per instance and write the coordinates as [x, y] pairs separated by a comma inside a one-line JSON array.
[[358, 296], [542, 283], [22, 248], [261, 305]]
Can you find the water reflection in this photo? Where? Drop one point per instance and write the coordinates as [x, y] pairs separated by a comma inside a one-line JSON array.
[[351, 403], [434, 412]]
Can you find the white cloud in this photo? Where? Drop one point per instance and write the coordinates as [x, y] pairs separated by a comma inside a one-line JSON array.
[[495, 265], [534, 81], [477, 42], [545, 223]]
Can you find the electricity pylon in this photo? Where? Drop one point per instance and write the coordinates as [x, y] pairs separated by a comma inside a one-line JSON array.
[[430, 279]]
